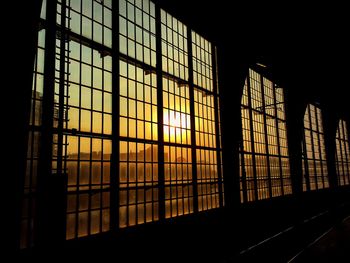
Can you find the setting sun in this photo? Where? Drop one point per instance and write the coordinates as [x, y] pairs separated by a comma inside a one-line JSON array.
[[176, 125]]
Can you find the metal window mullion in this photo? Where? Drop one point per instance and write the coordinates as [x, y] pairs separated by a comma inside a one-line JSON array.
[[344, 157], [241, 153], [114, 161], [319, 147], [265, 135], [339, 159], [203, 180], [62, 103], [102, 129], [278, 138], [127, 188], [91, 131], [145, 162], [346, 151], [340, 155], [243, 170], [217, 128], [90, 182], [135, 187], [312, 145], [177, 164], [161, 178], [77, 191], [346, 127], [306, 163], [192, 118], [136, 172], [61, 88], [252, 136]]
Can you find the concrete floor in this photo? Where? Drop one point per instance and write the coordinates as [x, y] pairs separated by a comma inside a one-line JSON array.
[[333, 246]]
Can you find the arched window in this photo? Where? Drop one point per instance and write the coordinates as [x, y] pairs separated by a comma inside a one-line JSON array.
[[265, 171], [315, 174]]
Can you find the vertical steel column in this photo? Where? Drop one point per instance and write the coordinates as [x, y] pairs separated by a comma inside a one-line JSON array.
[[114, 172], [312, 146], [244, 174], [339, 161], [61, 102], [278, 137], [192, 115], [44, 218], [217, 126], [319, 146], [347, 173], [347, 150], [306, 162], [159, 66]]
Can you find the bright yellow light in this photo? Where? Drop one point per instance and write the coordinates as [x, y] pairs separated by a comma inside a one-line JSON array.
[[173, 119], [176, 125]]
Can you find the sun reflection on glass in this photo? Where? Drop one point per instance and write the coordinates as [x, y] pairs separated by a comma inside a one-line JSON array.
[[175, 125]]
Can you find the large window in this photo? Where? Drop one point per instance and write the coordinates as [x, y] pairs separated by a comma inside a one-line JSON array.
[[264, 159], [135, 139], [84, 96], [342, 154], [315, 175]]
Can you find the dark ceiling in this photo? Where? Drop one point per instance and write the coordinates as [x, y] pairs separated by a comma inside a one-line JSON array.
[[305, 45]]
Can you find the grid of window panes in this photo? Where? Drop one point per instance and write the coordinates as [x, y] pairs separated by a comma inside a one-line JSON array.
[[315, 162], [87, 114], [263, 121], [138, 167], [137, 33], [82, 139], [204, 112], [202, 62], [178, 181], [138, 120], [176, 118], [174, 47], [176, 112], [91, 19], [205, 130], [342, 154], [277, 139], [208, 179], [29, 198], [138, 177], [178, 159]]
